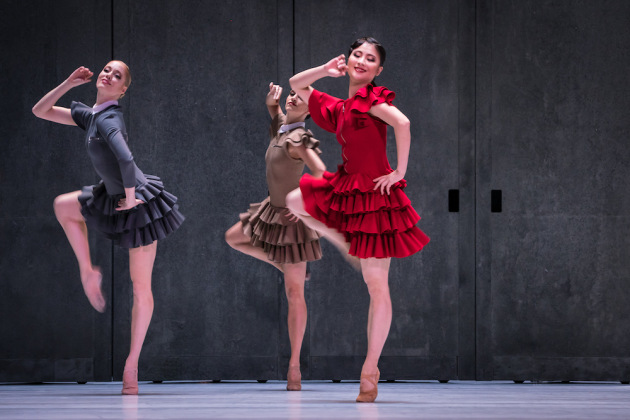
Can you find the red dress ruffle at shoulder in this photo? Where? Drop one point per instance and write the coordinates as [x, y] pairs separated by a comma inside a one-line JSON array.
[[376, 225]]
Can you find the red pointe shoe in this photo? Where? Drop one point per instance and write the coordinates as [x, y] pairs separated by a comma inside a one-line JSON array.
[[368, 393], [130, 382], [294, 379]]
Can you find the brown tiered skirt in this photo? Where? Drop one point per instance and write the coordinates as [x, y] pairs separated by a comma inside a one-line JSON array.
[[284, 241]]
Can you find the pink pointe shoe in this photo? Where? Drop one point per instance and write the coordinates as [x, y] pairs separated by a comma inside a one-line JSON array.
[[294, 379], [130, 382], [368, 393], [93, 289]]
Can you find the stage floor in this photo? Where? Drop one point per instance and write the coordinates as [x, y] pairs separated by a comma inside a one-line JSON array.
[[317, 400]]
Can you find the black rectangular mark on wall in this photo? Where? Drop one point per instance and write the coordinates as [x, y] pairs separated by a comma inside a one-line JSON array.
[[453, 201], [496, 199]]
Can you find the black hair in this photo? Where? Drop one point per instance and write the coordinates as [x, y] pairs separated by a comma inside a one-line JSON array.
[[379, 47]]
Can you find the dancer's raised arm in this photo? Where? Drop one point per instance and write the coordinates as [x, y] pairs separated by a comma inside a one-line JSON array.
[[46, 108], [273, 100], [301, 82]]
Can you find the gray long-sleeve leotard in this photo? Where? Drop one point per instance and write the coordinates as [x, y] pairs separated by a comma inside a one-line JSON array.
[[106, 144]]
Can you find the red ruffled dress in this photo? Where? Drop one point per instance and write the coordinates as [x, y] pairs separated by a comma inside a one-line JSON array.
[[376, 225]]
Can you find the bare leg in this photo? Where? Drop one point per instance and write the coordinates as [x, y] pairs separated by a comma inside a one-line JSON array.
[[295, 203], [240, 242], [375, 273], [294, 278], [68, 212], [294, 275], [140, 268]]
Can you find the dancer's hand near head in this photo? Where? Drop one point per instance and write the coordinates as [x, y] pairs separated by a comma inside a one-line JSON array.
[[273, 100], [301, 82], [46, 108], [337, 66], [80, 76]]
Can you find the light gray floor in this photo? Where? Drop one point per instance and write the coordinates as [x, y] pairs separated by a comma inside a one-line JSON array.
[[317, 400]]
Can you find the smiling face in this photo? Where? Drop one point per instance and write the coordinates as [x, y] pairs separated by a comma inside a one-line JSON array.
[[295, 106], [364, 63], [113, 79]]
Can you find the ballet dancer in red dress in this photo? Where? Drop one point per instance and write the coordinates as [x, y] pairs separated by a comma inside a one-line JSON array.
[[362, 207]]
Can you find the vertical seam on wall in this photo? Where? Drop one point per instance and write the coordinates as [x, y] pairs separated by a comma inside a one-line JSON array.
[[459, 180], [112, 316], [460, 36], [112, 28], [278, 62], [293, 37], [489, 147], [111, 290], [474, 186]]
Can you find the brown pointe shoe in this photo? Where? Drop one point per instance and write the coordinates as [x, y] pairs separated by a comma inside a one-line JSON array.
[[130, 382], [370, 394], [294, 379]]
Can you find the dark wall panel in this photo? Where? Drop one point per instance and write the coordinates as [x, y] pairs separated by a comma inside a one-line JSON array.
[[49, 332], [554, 263]]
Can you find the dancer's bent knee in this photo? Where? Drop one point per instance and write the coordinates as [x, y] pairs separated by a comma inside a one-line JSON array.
[[295, 203], [67, 207]]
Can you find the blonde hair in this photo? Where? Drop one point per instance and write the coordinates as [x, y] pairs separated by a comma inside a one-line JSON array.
[[127, 74]]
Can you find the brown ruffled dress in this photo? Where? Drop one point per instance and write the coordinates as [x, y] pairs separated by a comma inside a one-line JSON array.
[[267, 223]]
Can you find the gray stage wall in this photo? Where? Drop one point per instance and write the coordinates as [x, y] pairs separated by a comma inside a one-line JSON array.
[[523, 97], [553, 267]]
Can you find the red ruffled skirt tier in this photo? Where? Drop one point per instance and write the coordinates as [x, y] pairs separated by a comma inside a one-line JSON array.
[[376, 225]]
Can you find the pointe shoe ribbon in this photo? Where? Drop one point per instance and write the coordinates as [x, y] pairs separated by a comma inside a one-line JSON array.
[[370, 394], [294, 379], [130, 382]]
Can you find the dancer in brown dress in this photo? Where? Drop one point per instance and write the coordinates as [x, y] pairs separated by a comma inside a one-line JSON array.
[[268, 231]]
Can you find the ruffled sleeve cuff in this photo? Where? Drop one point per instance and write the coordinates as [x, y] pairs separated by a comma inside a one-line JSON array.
[[300, 137], [323, 109], [369, 96]]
